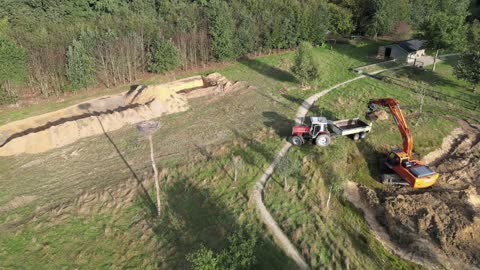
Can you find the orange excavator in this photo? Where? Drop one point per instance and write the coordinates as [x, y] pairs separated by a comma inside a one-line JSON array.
[[414, 172]]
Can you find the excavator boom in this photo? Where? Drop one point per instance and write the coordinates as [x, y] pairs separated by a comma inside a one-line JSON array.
[[397, 114]]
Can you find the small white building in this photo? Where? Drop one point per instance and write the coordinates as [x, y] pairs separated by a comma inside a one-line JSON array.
[[403, 51]]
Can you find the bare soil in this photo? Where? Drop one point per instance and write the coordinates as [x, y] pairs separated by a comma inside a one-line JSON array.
[[62, 127], [439, 224]]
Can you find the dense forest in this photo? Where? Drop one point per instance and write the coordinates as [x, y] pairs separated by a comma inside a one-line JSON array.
[[52, 46]]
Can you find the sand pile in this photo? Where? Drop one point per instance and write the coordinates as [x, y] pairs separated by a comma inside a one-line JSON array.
[[215, 84], [44, 132], [439, 224]]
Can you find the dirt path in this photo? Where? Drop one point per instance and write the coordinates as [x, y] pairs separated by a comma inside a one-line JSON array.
[[257, 195], [352, 193]]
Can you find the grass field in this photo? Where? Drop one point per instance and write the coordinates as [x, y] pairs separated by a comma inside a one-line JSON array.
[[203, 205]]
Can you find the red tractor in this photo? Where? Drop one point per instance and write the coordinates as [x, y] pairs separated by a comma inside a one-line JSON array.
[[317, 132], [321, 131]]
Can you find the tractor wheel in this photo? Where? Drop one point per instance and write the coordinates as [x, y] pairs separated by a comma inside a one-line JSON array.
[[323, 140], [363, 135], [297, 140], [356, 136]]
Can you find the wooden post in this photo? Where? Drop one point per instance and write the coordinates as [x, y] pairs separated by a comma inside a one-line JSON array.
[[155, 175], [435, 60], [147, 128]]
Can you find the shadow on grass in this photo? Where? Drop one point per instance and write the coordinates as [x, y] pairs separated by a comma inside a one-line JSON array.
[[192, 219], [313, 110], [373, 158], [433, 79], [279, 123], [145, 197], [267, 70]]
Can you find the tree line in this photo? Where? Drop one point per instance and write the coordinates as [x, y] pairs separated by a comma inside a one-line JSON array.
[[52, 46]]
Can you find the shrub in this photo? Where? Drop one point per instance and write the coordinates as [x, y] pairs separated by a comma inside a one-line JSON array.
[[305, 67], [164, 56]]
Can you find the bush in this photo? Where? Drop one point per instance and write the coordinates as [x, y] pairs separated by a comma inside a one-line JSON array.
[[80, 68], [239, 254], [164, 56], [203, 259], [305, 67]]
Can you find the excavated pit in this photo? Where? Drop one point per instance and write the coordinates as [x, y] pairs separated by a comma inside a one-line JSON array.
[[52, 130], [440, 224]]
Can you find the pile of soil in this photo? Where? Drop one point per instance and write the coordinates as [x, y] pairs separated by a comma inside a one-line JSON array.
[[379, 115], [440, 223]]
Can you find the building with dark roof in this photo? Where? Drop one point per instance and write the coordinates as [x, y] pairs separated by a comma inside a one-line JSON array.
[[404, 51]]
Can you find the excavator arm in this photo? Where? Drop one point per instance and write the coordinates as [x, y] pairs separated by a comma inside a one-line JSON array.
[[397, 114]]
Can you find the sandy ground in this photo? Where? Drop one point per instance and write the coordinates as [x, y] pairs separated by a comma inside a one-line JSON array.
[[62, 127], [438, 226]]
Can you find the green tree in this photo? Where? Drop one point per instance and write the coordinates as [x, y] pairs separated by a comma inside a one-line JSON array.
[[419, 12], [386, 15], [13, 65], [362, 12], [446, 27], [340, 19], [305, 67], [468, 67], [164, 57], [246, 34], [221, 30], [286, 24], [314, 22], [80, 69]]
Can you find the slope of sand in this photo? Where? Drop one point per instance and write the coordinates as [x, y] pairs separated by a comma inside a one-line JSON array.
[[47, 131]]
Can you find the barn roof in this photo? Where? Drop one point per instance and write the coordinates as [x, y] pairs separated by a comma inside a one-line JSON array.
[[411, 45]]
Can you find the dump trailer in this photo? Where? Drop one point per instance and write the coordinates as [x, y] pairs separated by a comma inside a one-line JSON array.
[[321, 130], [355, 128]]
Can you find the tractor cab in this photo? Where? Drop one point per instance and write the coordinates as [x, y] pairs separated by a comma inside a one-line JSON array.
[[319, 124]]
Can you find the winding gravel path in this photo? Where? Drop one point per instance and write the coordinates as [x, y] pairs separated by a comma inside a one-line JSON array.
[[280, 238]]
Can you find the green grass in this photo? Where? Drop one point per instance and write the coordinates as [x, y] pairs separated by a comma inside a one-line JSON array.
[[202, 202]]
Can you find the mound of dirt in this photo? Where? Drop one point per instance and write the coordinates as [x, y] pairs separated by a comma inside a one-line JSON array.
[[44, 132], [379, 115], [441, 223]]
